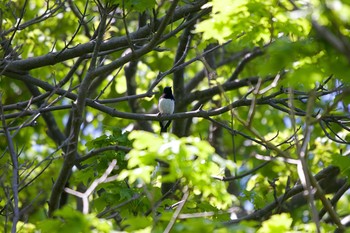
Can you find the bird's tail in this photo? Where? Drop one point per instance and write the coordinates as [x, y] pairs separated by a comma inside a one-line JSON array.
[[164, 126]]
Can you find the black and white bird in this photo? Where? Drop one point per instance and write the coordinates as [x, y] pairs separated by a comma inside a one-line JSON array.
[[166, 106]]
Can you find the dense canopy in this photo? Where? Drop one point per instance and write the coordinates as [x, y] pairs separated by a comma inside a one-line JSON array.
[[259, 140]]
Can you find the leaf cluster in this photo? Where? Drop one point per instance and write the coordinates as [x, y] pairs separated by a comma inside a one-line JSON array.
[[259, 140]]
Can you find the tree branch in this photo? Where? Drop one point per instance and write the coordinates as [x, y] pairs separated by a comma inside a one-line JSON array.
[[85, 196], [112, 44], [178, 80], [78, 109], [267, 210], [15, 169]]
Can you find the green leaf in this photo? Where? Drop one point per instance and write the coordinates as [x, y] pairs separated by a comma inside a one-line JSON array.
[[343, 162], [191, 159], [137, 223], [142, 140], [50, 225], [70, 221], [137, 5], [276, 224]]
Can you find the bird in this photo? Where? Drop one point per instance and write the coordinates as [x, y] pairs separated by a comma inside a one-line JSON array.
[[166, 106]]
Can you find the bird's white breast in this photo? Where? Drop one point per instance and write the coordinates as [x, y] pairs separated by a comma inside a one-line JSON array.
[[166, 106]]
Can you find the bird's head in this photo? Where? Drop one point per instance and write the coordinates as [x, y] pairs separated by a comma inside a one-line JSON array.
[[167, 90]]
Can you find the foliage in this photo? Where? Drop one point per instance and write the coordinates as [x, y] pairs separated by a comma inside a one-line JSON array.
[[260, 134]]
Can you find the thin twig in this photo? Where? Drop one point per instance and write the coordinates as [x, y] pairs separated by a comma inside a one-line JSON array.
[[240, 176], [81, 22], [335, 199], [85, 196], [302, 168], [327, 205], [110, 209], [15, 167], [177, 212], [103, 149], [267, 210], [49, 12]]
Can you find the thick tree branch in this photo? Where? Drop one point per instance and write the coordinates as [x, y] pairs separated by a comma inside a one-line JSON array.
[[267, 100], [265, 212], [112, 44], [246, 59], [78, 110], [338, 43], [179, 80], [130, 70], [210, 92]]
